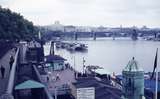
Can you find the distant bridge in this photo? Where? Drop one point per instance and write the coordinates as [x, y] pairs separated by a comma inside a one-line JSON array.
[[95, 35]]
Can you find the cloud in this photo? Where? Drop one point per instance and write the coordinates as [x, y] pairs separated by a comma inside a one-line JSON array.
[[89, 12]]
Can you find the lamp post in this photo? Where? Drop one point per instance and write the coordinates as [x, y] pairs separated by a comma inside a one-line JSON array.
[[83, 65], [55, 93]]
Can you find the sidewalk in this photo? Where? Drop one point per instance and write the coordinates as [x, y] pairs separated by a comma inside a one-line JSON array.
[[5, 62]]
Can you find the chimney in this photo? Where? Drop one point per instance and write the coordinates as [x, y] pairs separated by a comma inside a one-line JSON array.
[[52, 48]]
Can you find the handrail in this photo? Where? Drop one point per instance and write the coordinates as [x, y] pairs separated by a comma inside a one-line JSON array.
[[49, 96], [12, 74]]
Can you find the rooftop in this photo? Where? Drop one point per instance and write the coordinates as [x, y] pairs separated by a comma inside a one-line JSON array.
[[51, 58], [29, 84], [132, 66], [102, 91], [34, 44]]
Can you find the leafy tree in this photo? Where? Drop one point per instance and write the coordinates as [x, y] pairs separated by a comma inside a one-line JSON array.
[[14, 27]]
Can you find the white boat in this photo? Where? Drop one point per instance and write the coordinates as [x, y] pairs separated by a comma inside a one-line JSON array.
[[81, 47]]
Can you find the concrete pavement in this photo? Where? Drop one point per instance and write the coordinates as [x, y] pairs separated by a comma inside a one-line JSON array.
[[5, 62]]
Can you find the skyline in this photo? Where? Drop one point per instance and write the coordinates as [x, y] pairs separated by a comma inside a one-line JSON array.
[[88, 12]]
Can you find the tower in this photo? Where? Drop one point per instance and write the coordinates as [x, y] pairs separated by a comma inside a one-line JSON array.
[[133, 80]]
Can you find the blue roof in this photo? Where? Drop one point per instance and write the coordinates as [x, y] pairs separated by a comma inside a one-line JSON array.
[[51, 58], [29, 84], [150, 85]]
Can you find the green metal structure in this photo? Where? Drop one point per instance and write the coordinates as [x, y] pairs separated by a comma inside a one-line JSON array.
[[133, 81]]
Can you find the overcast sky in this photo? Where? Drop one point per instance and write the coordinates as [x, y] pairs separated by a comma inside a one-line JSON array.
[[88, 12]]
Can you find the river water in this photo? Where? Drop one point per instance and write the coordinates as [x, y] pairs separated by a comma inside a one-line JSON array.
[[112, 55]]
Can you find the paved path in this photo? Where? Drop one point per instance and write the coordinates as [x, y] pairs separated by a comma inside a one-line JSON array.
[[66, 77], [5, 62]]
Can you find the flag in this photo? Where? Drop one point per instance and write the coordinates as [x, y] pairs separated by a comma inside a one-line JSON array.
[[155, 64]]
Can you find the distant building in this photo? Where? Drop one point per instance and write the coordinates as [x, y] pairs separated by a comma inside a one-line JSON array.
[[134, 35], [83, 29], [144, 28], [57, 26], [69, 28], [133, 81], [101, 29]]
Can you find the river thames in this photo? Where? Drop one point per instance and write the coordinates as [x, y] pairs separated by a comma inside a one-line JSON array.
[[112, 55]]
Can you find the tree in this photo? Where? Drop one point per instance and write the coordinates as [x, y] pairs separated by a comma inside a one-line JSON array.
[[14, 27]]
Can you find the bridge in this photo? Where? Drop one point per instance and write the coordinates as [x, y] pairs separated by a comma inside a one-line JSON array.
[[98, 34]]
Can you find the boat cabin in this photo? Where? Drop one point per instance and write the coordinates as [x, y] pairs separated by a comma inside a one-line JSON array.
[[55, 62]]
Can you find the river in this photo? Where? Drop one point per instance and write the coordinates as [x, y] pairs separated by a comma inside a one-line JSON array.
[[112, 55]]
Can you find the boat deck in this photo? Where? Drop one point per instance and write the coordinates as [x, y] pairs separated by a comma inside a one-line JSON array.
[[59, 80]]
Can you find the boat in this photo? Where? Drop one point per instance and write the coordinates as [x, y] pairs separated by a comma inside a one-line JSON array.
[[58, 45], [61, 45], [72, 46], [81, 47]]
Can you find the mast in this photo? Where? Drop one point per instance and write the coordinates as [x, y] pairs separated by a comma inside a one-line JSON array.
[[156, 78], [75, 66], [83, 65], [156, 83], [155, 71]]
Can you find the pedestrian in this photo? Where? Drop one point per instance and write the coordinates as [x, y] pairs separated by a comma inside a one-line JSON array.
[[11, 62], [47, 79], [57, 77], [15, 49], [2, 71]]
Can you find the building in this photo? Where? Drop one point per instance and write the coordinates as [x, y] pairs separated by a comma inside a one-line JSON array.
[[93, 88], [134, 35], [133, 81], [83, 29], [57, 26], [69, 28], [55, 62], [34, 52]]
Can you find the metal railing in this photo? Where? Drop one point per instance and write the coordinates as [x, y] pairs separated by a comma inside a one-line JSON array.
[[11, 79], [47, 94]]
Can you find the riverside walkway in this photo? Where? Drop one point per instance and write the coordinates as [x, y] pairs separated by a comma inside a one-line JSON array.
[[5, 62]]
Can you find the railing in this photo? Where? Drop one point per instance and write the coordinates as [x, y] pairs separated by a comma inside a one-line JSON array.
[[12, 74], [38, 78]]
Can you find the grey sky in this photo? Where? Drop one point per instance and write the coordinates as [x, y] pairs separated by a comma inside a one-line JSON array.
[[89, 12]]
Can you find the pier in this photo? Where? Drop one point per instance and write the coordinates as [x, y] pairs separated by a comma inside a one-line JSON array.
[[22, 70], [48, 77]]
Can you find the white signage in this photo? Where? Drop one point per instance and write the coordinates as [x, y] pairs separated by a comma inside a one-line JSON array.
[[86, 93]]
